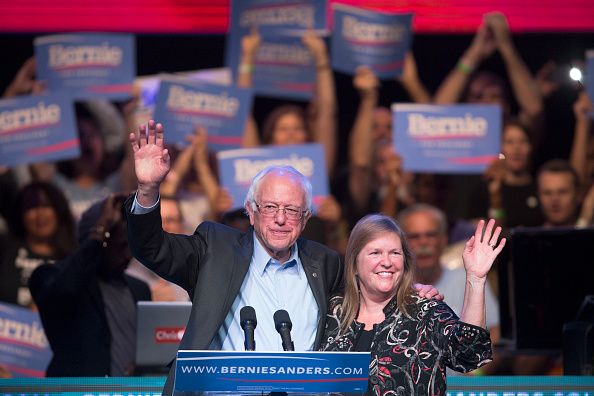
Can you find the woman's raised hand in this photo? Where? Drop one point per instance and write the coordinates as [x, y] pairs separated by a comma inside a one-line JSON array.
[[482, 249]]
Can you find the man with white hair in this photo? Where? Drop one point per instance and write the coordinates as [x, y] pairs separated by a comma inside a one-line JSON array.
[[223, 270], [269, 267]]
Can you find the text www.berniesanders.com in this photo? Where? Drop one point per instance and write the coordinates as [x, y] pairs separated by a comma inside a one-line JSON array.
[[199, 369]]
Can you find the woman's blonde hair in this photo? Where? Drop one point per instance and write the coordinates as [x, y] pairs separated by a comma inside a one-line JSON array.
[[366, 230]]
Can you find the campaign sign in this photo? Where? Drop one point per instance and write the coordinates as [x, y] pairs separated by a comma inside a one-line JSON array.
[[589, 82], [24, 349], [256, 372], [237, 168], [37, 128], [274, 17], [447, 139], [283, 65], [183, 105], [148, 86], [377, 40], [88, 66]]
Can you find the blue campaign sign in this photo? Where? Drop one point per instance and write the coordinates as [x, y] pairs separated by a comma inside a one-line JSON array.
[[283, 66], [374, 39], [87, 65], [589, 83], [313, 372], [24, 349], [183, 104], [237, 168], [148, 86], [447, 139], [37, 128]]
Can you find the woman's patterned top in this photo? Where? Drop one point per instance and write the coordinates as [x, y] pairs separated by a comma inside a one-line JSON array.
[[409, 353]]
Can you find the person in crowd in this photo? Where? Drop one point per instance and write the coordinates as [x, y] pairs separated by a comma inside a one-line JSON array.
[[508, 192], [484, 87], [86, 179], [269, 267], [426, 230], [559, 193], [193, 183], [376, 181], [560, 196], [86, 302], [290, 124], [582, 156], [173, 222], [411, 339], [582, 148], [425, 227], [100, 169], [41, 230]]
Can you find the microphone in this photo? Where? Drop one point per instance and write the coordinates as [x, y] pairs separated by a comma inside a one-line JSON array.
[[247, 319], [283, 325]]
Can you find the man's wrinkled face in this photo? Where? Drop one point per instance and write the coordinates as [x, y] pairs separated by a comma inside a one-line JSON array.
[[277, 232]]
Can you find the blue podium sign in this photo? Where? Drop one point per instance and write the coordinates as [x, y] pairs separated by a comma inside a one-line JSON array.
[[255, 372]]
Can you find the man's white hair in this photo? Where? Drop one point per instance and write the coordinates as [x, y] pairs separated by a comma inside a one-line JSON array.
[[250, 197]]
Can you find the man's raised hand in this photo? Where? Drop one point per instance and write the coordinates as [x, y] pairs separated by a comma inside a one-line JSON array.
[[151, 161]]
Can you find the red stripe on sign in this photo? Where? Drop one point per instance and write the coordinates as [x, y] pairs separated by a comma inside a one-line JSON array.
[[224, 139], [388, 66], [111, 88], [201, 112], [25, 371], [84, 66], [302, 87], [446, 137], [54, 147], [21, 343], [24, 128], [373, 43], [485, 159]]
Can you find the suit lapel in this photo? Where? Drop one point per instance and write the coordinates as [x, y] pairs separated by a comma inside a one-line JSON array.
[[313, 270], [241, 264]]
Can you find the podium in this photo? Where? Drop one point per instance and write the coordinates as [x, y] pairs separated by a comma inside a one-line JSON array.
[[257, 373]]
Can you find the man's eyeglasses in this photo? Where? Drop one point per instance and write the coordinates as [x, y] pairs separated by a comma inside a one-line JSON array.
[[270, 210]]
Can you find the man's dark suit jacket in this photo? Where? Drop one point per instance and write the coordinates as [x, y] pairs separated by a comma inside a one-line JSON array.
[[72, 311], [212, 264]]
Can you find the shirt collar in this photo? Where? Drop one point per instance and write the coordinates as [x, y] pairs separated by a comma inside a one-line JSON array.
[[262, 258]]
